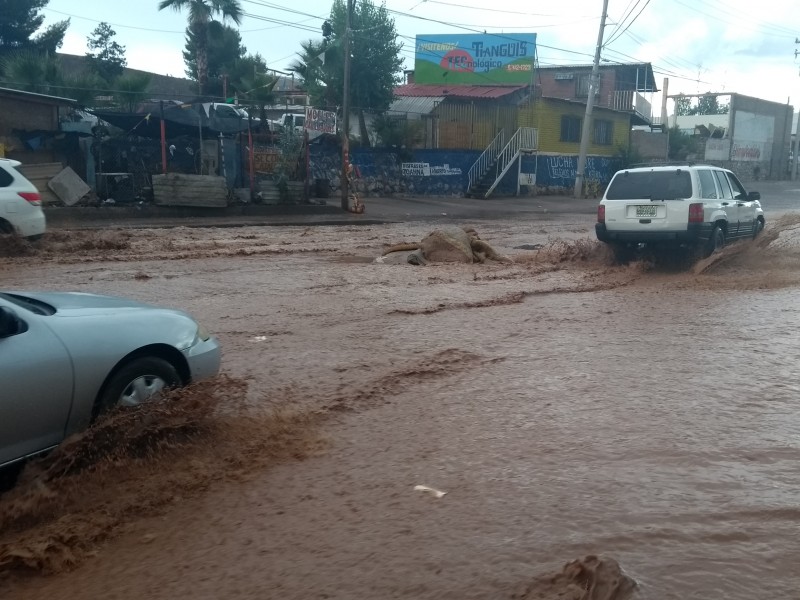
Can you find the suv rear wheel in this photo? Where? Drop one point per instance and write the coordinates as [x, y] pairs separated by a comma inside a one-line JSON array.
[[623, 253], [715, 242]]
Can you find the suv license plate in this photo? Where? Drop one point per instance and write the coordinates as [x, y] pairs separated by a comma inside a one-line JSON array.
[[646, 211]]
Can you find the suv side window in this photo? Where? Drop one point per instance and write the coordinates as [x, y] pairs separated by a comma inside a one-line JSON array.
[[707, 187], [724, 185], [5, 178], [738, 188]]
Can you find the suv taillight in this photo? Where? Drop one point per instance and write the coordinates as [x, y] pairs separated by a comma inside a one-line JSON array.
[[601, 213], [33, 197], [696, 212]]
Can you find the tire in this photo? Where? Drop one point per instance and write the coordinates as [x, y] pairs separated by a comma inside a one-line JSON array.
[[715, 242], [5, 227], [623, 253], [137, 381], [758, 227]]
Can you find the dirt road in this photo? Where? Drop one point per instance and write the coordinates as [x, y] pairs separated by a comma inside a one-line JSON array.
[[565, 405]]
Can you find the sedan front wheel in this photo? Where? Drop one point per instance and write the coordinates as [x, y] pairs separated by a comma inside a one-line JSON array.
[[140, 380]]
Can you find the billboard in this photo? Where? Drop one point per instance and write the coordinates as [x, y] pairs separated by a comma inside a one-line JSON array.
[[475, 59]]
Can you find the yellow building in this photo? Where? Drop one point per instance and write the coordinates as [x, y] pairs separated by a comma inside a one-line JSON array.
[[560, 122]]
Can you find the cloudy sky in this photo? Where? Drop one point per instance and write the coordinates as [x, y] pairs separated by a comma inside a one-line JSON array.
[[710, 45]]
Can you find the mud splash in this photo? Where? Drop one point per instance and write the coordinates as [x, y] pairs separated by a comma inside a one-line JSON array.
[[13, 245], [589, 578], [771, 258], [135, 462]]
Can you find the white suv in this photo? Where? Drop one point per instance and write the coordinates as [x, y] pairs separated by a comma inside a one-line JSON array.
[[20, 203], [696, 207]]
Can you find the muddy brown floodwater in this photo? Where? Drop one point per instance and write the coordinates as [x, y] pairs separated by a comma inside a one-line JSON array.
[[567, 406]]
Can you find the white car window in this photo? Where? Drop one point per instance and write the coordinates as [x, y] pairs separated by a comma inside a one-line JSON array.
[[5, 178], [724, 185], [708, 188], [738, 189]]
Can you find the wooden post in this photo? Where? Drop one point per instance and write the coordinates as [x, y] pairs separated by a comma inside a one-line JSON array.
[[251, 160], [163, 141]]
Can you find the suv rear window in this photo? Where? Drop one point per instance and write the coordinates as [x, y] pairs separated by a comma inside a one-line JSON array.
[[5, 178], [653, 185]]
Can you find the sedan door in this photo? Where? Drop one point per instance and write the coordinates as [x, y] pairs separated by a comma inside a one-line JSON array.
[[746, 207], [36, 384]]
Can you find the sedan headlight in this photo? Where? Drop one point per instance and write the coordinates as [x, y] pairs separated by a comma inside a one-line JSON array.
[[203, 333]]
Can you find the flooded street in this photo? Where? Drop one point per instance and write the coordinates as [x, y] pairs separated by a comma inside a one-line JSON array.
[[566, 405]]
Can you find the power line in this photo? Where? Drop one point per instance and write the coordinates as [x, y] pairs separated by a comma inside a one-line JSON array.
[[625, 14], [495, 10], [613, 39]]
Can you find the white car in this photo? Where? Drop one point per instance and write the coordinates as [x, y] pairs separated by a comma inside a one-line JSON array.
[[697, 207], [20, 203]]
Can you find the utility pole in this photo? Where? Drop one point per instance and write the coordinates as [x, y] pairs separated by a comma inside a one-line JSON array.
[[796, 154], [346, 109], [587, 119]]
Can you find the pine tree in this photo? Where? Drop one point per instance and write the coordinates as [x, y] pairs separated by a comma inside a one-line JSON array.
[[106, 56]]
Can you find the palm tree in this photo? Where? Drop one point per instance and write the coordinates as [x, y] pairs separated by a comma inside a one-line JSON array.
[[200, 13]]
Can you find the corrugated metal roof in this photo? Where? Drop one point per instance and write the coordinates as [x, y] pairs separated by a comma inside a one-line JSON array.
[[415, 105], [456, 91]]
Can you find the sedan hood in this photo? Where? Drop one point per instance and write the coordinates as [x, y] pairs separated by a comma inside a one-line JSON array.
[[81, 303]]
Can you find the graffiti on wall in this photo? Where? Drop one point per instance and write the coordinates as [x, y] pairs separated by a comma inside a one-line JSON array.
[[749, 151], [560, 170], [422, 169], [717, 149]]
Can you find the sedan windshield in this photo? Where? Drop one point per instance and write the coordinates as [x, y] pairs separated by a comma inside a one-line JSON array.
[[655, 185]]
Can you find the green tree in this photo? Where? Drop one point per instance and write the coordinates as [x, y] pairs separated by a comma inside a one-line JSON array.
[[200, 16], [41, 72], [31, 71], [709, 105], [131, 89], [376, 63], [681, 144], [320, 70], [683, 106], [83, 88], [254, 88], [223, 51], [21, 19], [107, 57]]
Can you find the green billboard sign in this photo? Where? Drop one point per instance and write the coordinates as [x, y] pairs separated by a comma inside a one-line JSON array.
[[475, 59]]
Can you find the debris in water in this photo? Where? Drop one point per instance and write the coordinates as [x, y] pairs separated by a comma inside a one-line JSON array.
[[433, 492], [589, 578]]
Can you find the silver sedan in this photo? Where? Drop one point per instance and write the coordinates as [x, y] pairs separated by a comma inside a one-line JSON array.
[[66, 357]]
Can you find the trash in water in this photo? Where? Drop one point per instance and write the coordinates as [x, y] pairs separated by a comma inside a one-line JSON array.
[[260, 338], [433, 492]]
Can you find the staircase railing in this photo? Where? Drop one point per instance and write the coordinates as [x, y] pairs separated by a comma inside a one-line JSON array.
[[524, 138], [485, 160]]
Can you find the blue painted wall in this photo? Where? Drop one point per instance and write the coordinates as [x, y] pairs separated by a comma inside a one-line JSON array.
[[382, 171]]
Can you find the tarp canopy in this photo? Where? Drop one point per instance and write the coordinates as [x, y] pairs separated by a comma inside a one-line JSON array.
[[178, 120]]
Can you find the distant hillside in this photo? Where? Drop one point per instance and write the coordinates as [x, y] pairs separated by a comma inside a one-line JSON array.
[[162, 87]]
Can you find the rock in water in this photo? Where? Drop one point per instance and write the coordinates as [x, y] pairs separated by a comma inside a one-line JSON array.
[[589, 578], [449, 244]]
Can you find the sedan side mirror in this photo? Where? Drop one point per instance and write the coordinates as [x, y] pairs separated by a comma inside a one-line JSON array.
[[753, 196], [9, 323]]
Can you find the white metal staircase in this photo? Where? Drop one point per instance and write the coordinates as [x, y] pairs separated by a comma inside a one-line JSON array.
[[525, 139], [486, 160]]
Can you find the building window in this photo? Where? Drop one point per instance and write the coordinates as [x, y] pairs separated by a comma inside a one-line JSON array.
[[570, 129], [583, 86], [603, 132]]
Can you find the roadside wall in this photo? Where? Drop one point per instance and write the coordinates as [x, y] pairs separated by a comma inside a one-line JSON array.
[[650, 145], [384, 172]]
